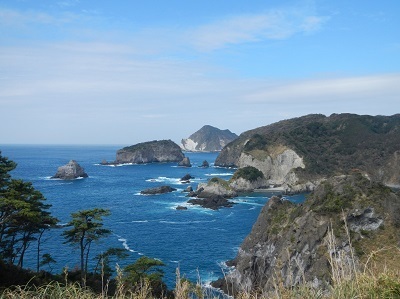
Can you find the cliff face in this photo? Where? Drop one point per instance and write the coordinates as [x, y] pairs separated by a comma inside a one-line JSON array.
[[291, 244], [298, 153], [149, 152], [208, 139]]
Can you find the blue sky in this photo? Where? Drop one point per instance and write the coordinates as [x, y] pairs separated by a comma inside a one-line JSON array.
[[122, 72]]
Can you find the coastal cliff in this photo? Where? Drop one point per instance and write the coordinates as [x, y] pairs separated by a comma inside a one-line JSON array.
[[297, 154], [208, 139], [292, 244], [149, 152]]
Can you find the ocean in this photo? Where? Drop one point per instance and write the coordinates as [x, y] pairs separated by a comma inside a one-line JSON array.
[[199, 241]]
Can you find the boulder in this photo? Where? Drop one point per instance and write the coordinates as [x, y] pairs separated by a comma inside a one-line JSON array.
[[186, 178], [205, 164], [188, 189], [181, 208], [185, 162], [158, 190], [70, 171], [214, 202]]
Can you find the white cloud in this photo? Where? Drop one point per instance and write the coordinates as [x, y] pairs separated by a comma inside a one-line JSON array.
[[275, 24], [378, 87]]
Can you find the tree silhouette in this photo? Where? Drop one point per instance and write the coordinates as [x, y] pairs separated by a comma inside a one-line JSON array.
[[86, 227], [24, 215]]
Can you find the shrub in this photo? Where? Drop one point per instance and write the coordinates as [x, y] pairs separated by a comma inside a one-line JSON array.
[[248, 173]]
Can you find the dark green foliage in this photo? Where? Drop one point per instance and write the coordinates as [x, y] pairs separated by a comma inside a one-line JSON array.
[[333, 202], [150, 144], [328, 145], [222, 182], [104, 259], [248, 173], [24, 216], [47, 259], [257, 141], [5, 167], [146, 268], [86, 227]]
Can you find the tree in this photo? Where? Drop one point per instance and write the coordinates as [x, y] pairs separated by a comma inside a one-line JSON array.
[[87, 226], [103, 259], [146, 268], [23, 215], [47, 259], [5, 167]]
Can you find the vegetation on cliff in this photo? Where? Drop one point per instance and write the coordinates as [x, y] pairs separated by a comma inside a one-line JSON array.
[[348, 219], [329, 145], [248, 173]]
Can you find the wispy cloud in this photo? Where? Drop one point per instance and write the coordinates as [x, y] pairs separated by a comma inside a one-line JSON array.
[[18, 18], [274, 24], [377, 87]]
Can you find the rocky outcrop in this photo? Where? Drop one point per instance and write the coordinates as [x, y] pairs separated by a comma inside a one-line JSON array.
[[158, 190], [243, 185], [215, 187], [213, 195], [292, 244], [70, 171], [181, 208], [150, 152], [299, 153], [208, 139], [185, 162], [213, 203], [247, 179], [188, 189], [186, 178], [205, 164]]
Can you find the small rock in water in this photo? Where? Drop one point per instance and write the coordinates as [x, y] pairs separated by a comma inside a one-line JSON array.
[[181, 208], [70, 171], [185, 162], [158, 190]]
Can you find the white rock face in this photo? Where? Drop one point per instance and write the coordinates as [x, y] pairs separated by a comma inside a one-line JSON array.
[[215, 189], [276, 165], [241, 184], [189, 145]]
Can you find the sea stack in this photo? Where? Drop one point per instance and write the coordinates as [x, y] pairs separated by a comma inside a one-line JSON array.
[[70, 171]]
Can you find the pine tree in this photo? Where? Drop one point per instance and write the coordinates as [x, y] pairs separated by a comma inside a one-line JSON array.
[[86, 227], [24, 215]]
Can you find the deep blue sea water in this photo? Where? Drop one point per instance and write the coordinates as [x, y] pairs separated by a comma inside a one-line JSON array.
[[197, 240]]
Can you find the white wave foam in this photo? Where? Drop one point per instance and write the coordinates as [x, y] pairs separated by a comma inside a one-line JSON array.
[[163, 179], [140, 221], [244, 202], [219, 174], [126, 246], [186, 222]]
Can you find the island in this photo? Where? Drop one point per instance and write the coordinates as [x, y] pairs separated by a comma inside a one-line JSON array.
[[72, 170]]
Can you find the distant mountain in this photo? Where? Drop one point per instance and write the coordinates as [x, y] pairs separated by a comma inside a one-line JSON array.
[[208, 139]]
